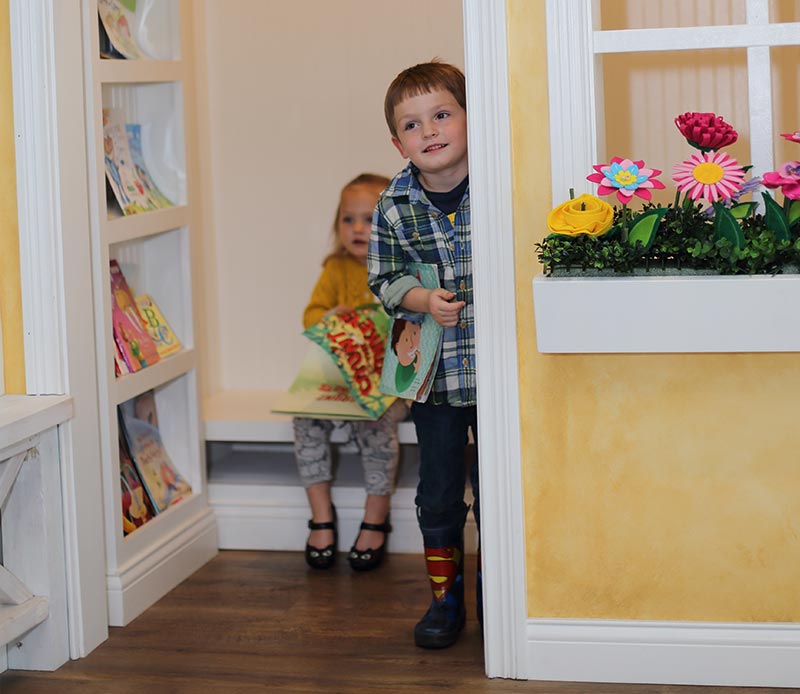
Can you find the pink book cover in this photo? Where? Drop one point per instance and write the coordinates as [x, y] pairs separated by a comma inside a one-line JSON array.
[[132, 338]]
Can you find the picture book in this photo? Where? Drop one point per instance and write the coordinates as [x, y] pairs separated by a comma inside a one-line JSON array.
[[137, 347], [121, 175], [155, 198], [157, 326], [139, 422], [413, 347], [136, 506], [320, 391], [118, 18], [355, 341]]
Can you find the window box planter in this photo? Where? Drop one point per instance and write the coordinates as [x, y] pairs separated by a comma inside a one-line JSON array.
[[669, 313]]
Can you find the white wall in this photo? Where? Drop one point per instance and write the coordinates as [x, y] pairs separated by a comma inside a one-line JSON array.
[[291, 107]]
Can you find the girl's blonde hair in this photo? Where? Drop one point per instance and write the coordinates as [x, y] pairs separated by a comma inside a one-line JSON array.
[[364, 179]]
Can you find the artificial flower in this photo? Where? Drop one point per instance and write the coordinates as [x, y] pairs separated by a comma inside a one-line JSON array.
[[792, 137], [706, 131], [787, 178], [710, 175], [583, 215], [625, 177]]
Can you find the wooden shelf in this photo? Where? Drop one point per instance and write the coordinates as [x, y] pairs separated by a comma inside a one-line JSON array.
[[131, 385], [139, 226], [139, 71]]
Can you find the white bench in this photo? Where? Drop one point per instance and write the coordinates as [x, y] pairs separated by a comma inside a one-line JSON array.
[[255, 491]]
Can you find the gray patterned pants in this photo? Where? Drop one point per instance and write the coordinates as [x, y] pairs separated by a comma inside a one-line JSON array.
[[377, 442]]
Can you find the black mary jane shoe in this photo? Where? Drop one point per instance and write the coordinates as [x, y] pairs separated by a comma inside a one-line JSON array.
[[323, 558], [368, 559]]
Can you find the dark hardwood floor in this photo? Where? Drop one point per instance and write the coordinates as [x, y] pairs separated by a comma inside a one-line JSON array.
[[262, 622]]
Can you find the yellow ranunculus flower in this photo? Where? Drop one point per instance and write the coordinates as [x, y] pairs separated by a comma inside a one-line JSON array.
[[583, 215]]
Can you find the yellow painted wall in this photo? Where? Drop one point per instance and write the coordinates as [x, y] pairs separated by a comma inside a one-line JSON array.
[[656, 486], [12, 352]]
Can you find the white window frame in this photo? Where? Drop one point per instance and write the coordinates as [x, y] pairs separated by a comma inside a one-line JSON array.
[[575, 45]]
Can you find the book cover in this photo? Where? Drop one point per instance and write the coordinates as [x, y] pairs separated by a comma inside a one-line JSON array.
[[136, 507], [139, 422], [155, 198], [157, 327], [130, 334], [413, 347], [121, 175], [117, 17], [320, 391], [355, 341]]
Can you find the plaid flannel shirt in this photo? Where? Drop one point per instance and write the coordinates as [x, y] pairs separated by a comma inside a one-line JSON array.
[[406, 227]]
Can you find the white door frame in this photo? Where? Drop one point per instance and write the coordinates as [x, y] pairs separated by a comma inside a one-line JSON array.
[[57, 302], [502, 513]]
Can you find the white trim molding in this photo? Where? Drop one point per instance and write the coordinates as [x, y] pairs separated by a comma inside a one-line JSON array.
[[502, 517], [57, 303], [697, 653]]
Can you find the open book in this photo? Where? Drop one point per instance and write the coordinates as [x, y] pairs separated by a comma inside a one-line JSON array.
[[414, 346], [340, 374]]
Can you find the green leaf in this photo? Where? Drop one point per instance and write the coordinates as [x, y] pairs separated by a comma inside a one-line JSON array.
[[792, 211], [775, 219], [644, 228], [743, 209], [726, 226]]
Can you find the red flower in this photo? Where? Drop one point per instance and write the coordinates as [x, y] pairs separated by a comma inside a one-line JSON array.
[[706, 131]]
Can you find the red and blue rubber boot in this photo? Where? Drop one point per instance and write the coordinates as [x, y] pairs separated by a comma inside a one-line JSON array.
[[444, 620]]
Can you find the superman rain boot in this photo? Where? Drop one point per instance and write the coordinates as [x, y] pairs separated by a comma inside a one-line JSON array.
[[444, 620]]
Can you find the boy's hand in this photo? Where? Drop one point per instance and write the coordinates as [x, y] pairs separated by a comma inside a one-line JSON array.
[[443, 309]]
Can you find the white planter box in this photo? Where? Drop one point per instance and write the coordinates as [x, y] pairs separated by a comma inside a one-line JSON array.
[[667, 314]]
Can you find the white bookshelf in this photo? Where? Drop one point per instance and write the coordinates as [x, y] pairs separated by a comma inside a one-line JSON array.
[[154, 250]]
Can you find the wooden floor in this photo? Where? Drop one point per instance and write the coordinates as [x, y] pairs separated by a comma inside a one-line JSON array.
[[262, 622]]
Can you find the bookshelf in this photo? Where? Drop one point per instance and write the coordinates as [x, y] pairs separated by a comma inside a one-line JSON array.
[[154, 249]]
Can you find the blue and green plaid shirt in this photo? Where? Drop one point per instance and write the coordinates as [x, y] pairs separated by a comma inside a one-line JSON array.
[[407, 228]]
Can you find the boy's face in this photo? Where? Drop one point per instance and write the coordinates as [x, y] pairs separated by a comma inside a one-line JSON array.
[[432, 133]]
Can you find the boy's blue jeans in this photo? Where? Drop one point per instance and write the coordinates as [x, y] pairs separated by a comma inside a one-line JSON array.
[[442, 436]]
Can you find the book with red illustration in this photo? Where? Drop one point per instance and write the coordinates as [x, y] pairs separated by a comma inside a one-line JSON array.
[[133, 341], [162, 481]]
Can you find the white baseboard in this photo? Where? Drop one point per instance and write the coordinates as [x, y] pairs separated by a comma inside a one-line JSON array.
[[274, 517], [152, 574], [691, 653]]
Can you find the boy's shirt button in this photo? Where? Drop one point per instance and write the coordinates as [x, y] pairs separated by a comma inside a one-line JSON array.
[[465, 361], [463, 285], [463, 324], [415, 234], [452, 246]]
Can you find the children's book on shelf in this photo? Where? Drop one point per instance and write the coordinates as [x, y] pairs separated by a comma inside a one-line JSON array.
[[136, 506], [157, 327], [161, 480], [121, 171], [130, 335], [155, 198], [118, 18], [339, 375], [413, 347]]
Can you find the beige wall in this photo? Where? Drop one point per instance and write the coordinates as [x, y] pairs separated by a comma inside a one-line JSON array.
[[294, 94], [12, 349], [656, 487]]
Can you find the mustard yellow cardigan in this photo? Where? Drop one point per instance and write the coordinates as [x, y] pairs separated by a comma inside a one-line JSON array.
[[343, 282]]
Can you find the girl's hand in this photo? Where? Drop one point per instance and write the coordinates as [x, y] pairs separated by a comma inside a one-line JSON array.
[[443, 309]]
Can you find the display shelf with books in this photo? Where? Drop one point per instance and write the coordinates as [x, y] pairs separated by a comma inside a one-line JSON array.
[[140, 120]]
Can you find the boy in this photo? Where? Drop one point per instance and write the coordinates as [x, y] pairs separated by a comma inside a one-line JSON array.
[[424, 216]]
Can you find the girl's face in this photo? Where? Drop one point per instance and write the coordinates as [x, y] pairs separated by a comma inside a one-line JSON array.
[[354, 223]]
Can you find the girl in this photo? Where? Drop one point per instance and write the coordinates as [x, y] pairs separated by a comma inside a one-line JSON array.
[[341, 285]]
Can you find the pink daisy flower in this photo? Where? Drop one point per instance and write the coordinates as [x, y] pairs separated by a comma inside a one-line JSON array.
[[709, 175], [626, 178], [792, 137]]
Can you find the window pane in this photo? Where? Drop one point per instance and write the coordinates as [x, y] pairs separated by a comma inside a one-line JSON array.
[[654, 14]]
